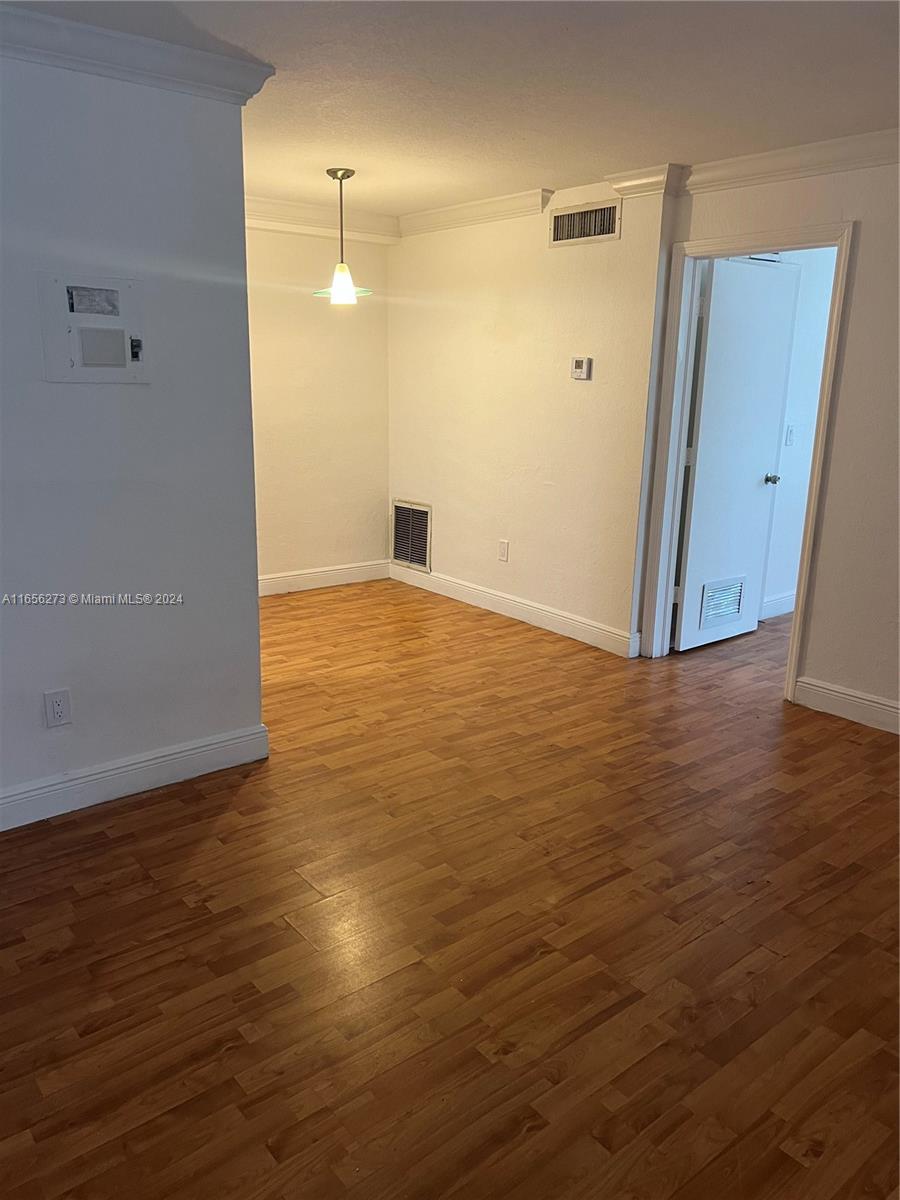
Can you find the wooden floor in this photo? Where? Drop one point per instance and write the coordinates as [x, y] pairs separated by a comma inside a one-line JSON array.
[[503, 916]]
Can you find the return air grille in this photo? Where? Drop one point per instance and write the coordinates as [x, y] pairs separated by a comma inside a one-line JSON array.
[[412, 534], [722, 602], [593, 224]]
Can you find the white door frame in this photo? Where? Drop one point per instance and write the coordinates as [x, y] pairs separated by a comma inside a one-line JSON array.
[[678, 364]]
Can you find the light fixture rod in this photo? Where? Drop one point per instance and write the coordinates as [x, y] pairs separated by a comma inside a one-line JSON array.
[[340, 174], [341, 208]]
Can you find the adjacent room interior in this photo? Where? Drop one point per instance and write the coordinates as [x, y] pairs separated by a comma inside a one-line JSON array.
[[756, 336], [449, 619]]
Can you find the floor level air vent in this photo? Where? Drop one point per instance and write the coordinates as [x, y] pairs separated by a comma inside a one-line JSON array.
[[594, 223], [412, 534], [722, 601]]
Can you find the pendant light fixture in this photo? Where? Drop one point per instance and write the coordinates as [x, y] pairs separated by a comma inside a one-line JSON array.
[[342, 290]]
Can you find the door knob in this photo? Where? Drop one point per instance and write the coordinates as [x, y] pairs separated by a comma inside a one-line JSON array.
[[772, 478]]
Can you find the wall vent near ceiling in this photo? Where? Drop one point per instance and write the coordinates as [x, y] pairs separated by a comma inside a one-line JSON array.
[[586, 223], [722, 601], [411, 532]]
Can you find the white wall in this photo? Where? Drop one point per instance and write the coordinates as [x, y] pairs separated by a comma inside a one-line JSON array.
[[487, 426], [111, 488], [852, 635], [319, 406], [807, 354]]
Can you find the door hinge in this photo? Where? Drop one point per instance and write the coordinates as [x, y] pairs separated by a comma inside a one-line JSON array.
[[689, 456]]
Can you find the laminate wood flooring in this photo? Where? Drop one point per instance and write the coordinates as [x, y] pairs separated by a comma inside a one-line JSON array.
[[503, 916]]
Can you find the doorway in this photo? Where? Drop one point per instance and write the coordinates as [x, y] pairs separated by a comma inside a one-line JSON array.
[[747, 381]]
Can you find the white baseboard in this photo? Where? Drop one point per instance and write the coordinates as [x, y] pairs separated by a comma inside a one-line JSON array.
[[616, 641], [319, 577], [845, 702], [59, 794], [777, 606]]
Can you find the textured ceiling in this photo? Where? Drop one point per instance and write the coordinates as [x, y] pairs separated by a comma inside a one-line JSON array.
[[439, 103]]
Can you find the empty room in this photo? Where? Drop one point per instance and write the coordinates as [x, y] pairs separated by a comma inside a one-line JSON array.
[[449, 600]]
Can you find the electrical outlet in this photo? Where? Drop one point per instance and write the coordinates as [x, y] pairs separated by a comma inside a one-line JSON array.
[[503, 550], [58, 708]]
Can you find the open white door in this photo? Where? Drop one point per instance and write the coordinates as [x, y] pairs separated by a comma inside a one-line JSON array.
[[736, 433]]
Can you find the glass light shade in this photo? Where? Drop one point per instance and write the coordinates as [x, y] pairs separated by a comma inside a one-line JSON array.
[[342, 290]]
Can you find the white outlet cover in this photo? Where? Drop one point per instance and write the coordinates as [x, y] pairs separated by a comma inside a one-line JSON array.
[[58, 708]]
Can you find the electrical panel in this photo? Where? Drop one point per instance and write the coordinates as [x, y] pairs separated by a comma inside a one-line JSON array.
[[92, 329]]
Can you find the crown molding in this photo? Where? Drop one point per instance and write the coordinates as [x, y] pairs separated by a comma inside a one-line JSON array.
[[667, 179], [670, 179], [796, 162], [75, 46], [318, 220], [498, 208], [793, 162]]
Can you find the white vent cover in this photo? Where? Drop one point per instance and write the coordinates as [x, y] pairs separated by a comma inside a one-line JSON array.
[[722, 601], [412, 534], [585, 223], [102, 347]]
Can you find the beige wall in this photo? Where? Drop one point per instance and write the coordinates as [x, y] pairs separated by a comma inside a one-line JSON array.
[[319, 404], [853, 616], [472, 369], [487, 425]]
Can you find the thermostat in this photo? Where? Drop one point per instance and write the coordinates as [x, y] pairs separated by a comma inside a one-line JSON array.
[[582, 367]]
